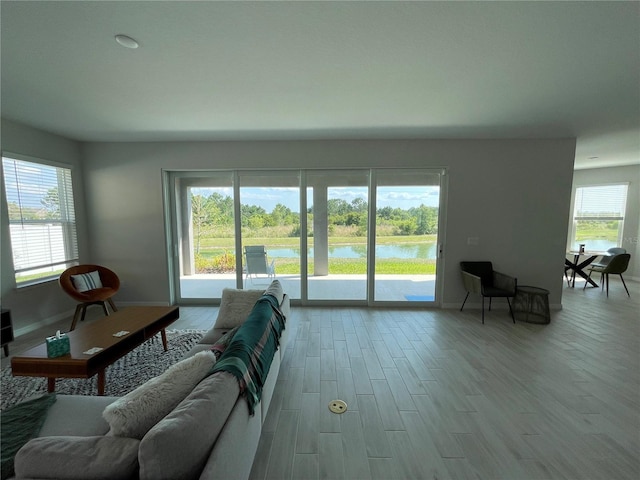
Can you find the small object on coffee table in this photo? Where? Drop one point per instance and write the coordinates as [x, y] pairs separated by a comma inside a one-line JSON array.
[[57, 345]]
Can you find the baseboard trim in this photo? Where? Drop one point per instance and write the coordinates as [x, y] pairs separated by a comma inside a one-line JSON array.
[[43, 323], [69, 315], [478, 306]]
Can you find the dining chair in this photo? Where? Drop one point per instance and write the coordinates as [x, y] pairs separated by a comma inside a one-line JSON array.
[[604, 261], [617, 265]]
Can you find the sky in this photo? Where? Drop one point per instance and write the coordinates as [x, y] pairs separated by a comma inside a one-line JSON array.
[[395, 197]]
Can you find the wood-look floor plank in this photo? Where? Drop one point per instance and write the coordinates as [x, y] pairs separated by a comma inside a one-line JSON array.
[[308, 424], [311, 375], [346, 389], [387, 407], [375, 438], [360, 375], [329, 422], [399, 390], [331, 458], [327, 364], [356, 461], [283, 446], [305, 467]]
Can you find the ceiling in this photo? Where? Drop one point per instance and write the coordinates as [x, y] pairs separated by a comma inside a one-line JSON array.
[[328, 70]]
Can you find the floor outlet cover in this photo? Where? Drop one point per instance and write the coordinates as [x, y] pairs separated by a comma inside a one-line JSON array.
[[338, 406]]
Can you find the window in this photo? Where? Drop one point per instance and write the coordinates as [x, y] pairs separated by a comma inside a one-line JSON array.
[[598, 216], [41, 218]]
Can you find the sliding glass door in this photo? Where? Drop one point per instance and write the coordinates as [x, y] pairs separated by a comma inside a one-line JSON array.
[[204, 234], [357, 236], [406, 235], [337, 214], [270, 223]]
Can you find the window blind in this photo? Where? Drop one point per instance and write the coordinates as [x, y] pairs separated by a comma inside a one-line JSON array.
[[42, 220], [601, 202]]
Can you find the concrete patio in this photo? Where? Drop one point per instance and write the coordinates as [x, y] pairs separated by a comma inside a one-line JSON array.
[[399, 288]]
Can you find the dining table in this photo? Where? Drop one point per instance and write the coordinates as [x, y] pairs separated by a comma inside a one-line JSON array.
[[581, 260]]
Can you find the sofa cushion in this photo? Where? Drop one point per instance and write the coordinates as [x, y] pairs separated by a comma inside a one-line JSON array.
[[83, 458], [178, 446], [135, 413], [86, 412], [235, 305]]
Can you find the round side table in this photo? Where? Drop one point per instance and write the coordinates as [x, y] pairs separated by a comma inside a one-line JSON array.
[[531, 304]]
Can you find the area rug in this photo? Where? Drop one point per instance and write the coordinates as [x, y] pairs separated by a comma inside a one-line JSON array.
[[145, 362]]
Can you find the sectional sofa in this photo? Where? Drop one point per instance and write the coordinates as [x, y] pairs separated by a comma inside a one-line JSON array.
[[204, 430]]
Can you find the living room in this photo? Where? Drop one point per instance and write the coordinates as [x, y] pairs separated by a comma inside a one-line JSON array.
[[512, 168]]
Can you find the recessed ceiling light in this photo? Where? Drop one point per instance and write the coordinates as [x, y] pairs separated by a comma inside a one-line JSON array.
[[126, 41]]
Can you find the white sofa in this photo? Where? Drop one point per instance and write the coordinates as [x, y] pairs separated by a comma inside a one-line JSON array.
[[209, 434]]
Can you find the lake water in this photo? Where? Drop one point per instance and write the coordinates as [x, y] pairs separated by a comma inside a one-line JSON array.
[[595, 245], [423, 250]]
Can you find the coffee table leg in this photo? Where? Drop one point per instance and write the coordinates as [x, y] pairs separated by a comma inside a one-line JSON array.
[[101, 382], [51, 385], [163, 334]]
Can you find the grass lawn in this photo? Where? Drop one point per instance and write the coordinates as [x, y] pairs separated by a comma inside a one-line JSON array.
[[213, 248]]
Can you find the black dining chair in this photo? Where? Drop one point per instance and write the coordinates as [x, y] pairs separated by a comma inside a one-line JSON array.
[[604, 261], [617, 265]]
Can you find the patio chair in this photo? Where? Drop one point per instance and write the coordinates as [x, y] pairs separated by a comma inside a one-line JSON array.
[[89, 285], [257, 263], [481, 278], [617, 265]]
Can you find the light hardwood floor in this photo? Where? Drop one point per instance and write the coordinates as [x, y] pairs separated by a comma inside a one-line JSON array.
[[436, 394]]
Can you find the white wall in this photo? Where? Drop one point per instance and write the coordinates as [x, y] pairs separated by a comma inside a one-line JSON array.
[[45, 302], [631, 174], [514, 195]]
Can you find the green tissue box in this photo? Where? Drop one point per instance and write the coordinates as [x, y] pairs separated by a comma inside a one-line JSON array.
[[58, 345]]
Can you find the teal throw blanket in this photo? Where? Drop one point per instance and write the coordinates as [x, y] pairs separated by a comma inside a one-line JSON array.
[[249, 354], [19, 424]]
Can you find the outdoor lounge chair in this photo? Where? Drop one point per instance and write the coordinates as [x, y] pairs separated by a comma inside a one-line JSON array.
[[257, 263]]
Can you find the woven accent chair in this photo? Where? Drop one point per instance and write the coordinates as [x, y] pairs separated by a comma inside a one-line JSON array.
[[617, 265], [480, 278], [106, 288]]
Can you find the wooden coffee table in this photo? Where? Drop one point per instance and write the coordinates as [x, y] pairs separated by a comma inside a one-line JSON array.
[[142, 323]]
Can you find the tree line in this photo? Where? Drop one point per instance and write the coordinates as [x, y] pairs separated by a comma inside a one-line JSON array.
[[216, 210]]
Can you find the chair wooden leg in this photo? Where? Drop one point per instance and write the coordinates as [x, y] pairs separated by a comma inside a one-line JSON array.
[[606, 279], [465, 301], [75, 317], [483, 307], [104, 307], [113, 305], [84, 311]]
